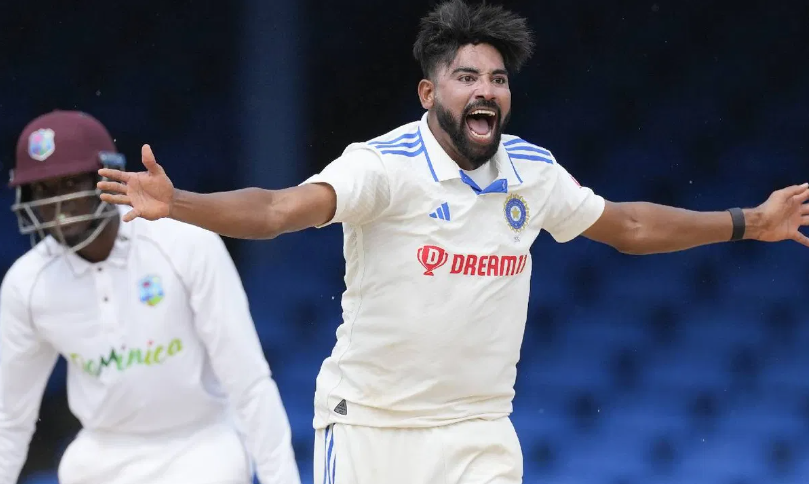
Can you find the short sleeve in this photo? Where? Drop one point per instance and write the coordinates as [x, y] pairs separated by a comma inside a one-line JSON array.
[[572, 207], [361, 182]]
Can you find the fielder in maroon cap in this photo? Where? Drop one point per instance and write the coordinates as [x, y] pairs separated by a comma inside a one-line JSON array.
[[55, 173], [166, 373]]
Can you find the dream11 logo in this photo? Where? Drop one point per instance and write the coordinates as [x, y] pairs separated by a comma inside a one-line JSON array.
[[432, 257]]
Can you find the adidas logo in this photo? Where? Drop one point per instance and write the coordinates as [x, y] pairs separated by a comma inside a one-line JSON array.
[[341, 408], [441, 212]]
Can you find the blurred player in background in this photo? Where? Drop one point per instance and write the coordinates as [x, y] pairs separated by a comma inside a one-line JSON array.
[[165, 370], [439, 215]]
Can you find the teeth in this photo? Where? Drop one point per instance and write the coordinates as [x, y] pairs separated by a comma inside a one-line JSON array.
[[484, 112]]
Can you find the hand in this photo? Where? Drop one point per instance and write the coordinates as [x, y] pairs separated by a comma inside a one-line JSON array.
[[781, 216], [150, 193]]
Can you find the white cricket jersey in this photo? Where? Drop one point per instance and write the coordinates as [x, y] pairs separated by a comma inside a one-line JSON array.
[[437, 277], [158, 338]]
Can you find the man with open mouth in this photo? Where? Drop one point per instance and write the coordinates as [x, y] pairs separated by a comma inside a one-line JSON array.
[[439, 216]]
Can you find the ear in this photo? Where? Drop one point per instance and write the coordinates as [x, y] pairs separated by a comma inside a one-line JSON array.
[[426, 93]]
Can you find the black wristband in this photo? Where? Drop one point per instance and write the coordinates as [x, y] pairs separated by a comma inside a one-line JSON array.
[[737, 216]]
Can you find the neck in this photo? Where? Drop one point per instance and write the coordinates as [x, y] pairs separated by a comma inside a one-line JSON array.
[[99, 249], [446, 143]]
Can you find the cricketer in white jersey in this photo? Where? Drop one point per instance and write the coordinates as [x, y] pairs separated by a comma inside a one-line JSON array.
[[438, 218], [437, 273], [165, 371]]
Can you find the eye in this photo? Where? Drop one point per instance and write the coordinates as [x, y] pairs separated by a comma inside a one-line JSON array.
[[466, 78], [501, 80]]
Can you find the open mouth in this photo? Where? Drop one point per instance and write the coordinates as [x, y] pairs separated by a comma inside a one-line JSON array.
[[480, 123]]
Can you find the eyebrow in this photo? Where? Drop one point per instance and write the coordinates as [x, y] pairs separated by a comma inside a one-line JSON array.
[[473, 70]]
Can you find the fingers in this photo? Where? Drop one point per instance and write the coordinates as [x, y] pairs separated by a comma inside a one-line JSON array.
[[131, 215], [801, 239], [801, 196], [804, 219], [116, 199], [792, 191], [117, 175], [113, 187], [149, 160], [795, 190]]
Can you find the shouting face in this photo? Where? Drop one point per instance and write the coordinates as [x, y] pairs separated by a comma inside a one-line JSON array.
[[470, 103]]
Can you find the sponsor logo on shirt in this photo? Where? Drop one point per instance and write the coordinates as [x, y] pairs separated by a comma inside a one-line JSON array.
[[433, 257], [122, 359]]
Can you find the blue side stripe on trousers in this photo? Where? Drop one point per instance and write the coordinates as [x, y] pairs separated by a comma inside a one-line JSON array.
[[327, 440]]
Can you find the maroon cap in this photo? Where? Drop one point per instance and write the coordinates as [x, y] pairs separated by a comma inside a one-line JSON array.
[[60, 143]]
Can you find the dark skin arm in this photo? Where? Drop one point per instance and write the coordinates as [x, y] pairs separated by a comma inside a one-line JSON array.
[[646, 228], [249, 213], [255, 213]]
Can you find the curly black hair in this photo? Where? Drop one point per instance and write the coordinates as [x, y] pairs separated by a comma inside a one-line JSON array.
[[453, 24]]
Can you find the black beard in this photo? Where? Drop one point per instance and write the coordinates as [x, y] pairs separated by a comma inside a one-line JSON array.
[[476, 154]]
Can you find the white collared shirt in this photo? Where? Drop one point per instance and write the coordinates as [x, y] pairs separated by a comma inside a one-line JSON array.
[[158, 338], [437, 276]]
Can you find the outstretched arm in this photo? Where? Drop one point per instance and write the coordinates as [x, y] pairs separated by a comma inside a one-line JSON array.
[[255, 213], [646, 228], [351, 189]]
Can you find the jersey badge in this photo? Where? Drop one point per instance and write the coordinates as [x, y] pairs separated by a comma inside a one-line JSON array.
[[151, 290], [516, 211]]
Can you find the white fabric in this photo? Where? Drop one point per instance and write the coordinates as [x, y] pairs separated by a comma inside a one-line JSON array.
[[158, 337], [470, 452], [213, 455], [483, 175], [437, 279]]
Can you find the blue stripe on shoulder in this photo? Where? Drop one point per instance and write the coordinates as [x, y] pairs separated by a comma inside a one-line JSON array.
[[406, 136], [519, 144], [409, 154], [401, 145], [525, 156], [404, 145]]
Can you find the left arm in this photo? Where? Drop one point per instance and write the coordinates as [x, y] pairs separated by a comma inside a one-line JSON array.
[[223, 322], [647, 228], [642, 228]]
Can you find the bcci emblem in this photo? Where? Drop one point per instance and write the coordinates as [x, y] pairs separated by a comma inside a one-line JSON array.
[[151, 290], [516, 212], [41, 144]]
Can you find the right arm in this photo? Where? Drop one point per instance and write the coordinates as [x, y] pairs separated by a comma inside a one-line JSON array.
[[255, 213], [26, 362], [353, 189]]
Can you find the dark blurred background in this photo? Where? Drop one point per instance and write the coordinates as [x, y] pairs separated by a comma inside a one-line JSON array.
[[681, 368]]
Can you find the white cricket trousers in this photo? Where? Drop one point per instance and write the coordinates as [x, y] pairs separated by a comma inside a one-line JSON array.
[[469, 452], [211, 455]]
